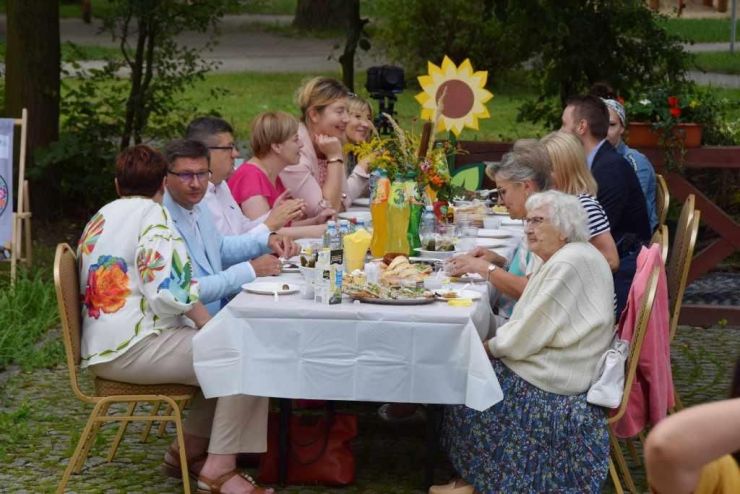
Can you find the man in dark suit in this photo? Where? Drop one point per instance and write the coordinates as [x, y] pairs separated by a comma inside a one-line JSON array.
[[619, 189]]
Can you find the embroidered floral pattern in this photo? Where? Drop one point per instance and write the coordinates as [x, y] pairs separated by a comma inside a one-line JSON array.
[[179, 282], [92, 233], [107, 286], [148, 262]]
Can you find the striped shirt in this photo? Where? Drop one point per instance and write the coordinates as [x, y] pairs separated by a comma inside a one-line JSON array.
[[598, 223]]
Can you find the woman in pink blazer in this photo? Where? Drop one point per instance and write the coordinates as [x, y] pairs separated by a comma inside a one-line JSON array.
[[319, 178]]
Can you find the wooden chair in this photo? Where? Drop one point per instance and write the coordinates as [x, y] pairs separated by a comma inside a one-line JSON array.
[[107, 393], [661, 237], [679, 263], [638, 336], [662, 198], [678, 273]]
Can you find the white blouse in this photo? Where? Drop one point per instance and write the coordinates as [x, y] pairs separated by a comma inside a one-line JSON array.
[[135, 277]]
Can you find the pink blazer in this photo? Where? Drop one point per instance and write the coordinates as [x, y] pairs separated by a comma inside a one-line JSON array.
[[652, 390], [305, 179]]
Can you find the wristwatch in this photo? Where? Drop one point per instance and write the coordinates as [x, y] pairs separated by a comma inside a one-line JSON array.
[[491, 268]]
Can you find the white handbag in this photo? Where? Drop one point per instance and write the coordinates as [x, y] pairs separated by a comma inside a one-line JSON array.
[[607, 385]]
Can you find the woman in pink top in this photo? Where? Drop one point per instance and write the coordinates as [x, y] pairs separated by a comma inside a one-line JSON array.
[[319, 177], [256, 185]]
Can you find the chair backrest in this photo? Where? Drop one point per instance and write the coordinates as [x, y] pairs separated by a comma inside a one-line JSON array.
[[662, 199], [684, 254], [638, 336], [67, 285], [682, 227], [660, 237]]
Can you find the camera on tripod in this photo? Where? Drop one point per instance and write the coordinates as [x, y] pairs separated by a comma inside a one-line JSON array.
[[384, 83]]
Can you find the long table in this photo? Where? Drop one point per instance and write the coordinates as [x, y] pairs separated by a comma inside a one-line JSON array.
[[296, 348]]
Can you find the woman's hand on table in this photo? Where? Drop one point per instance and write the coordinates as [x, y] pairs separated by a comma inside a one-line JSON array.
[[198, 314], [488, 255], [285, 212], [467, 263], [283, 246]]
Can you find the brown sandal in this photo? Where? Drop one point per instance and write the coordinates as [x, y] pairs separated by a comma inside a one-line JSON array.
[[213, 486], [171, 467]]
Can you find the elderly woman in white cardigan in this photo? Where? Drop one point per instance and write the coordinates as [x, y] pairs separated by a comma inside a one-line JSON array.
[[543, 436]]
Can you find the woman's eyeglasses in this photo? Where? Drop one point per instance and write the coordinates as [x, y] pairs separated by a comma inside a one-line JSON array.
[[534, 221], [187, 177]]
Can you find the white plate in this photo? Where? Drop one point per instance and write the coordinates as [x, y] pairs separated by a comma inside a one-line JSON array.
[[355, 215], [361, 201], [471, 294], [497, 233], [489, 243], [270, 287], [508, 222], [437, 254]]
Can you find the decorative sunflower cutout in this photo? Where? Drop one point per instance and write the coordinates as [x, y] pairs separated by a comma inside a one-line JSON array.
[[454, 96]]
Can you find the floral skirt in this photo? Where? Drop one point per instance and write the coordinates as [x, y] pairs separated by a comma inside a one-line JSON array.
[[532, 441]]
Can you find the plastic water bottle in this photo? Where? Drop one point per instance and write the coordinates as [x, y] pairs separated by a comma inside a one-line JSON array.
[[335, 239], [344, 229], [330, 233], [361, 224], [428, 226]]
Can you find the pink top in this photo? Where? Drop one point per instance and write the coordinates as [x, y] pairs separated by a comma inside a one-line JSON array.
[[304, 180], [652, 389], [249, 180]]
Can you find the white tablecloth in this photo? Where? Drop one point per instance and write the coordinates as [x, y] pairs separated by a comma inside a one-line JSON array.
[[295, 348]]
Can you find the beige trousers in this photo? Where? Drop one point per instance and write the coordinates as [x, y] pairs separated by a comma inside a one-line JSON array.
[[235, 424]]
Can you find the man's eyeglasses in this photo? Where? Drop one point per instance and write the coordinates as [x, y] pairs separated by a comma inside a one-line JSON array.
[[187, 177], [230, 147], [534, 221]]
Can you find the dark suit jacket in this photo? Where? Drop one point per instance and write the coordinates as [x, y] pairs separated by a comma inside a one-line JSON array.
[[620, 195]]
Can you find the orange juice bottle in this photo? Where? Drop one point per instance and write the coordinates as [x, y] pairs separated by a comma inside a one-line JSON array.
[[399, 210], [379, 211]]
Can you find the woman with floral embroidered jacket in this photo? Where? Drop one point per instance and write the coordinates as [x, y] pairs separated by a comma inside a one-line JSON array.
[[141, 310]]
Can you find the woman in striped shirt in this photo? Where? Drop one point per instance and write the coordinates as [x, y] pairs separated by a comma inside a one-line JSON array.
[[571, 175]]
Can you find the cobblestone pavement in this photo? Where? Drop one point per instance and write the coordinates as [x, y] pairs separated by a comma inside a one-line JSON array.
[[40, 421]]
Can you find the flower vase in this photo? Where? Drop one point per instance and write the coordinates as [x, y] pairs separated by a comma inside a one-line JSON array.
[[416, 208], [399, 212], [380, 188]]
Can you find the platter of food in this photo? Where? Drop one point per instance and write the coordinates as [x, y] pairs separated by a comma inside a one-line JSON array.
[[372, 293], [500, 209]]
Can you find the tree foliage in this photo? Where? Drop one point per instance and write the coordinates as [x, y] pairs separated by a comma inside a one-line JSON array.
[[567, 44], [134, 98]]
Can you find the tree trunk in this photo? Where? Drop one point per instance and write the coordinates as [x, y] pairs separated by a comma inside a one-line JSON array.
[[354, 31], [32, 66], [322, 14]]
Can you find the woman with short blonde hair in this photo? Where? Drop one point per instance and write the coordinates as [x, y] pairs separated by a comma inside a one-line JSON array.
[[571, 175], [257, 184]]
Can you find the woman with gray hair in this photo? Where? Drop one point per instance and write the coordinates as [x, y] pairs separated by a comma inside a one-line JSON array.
[[522, 172], [543, 436]]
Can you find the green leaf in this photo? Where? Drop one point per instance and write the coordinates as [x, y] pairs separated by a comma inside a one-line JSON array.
[[469, 178]]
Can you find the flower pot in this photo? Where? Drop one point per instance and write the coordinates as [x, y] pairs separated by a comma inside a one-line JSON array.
[[642, 135]]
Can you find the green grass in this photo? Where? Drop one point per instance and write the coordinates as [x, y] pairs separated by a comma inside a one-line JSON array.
[[27, 312], [718, 61], [78, 52], [276, 7], [252, 93], [699, 30]]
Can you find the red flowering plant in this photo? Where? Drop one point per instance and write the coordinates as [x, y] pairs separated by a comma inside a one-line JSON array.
[[666, 107]]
